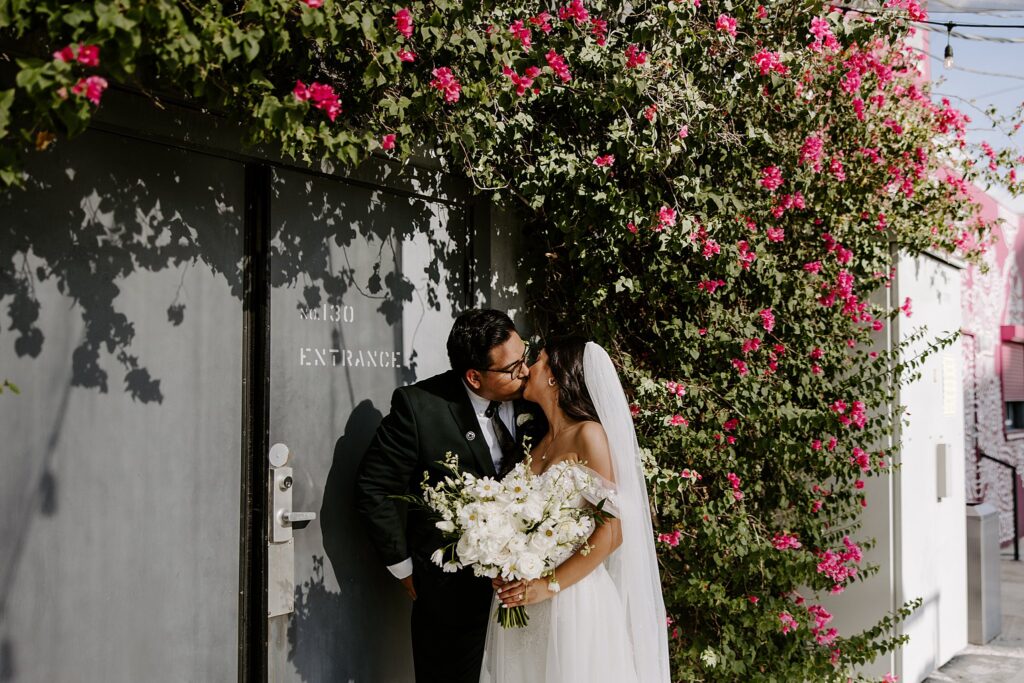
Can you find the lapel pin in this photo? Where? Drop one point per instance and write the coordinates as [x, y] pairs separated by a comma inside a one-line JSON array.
[[470, 436]]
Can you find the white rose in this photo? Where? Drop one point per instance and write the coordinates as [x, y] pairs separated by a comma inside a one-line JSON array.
[[544, 539], [532, 509], [445, 525], [518, 543], [530, 566], [467, 550]]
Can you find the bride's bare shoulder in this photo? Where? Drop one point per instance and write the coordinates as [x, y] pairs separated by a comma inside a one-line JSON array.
[[592, 446]]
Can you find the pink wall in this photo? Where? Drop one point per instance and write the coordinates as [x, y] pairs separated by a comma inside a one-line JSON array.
[[991, 301]]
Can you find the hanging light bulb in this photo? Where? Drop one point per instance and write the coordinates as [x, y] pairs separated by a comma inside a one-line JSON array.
[[948, 61]]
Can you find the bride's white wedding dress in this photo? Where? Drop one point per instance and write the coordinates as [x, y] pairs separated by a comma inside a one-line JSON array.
[[578, 636], [609, 627]]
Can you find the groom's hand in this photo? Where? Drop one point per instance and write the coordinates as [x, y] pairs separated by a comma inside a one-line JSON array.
[[409, 588]]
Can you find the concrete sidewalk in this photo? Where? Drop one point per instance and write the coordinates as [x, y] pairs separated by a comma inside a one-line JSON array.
[[1002, 660]]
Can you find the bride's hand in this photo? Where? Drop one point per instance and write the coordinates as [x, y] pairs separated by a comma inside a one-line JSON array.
[[520, 593]]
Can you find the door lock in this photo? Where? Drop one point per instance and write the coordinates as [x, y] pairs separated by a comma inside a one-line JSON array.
[[281, 545]]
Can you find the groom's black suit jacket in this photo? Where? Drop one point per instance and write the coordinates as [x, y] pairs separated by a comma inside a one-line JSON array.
[[428, 420]]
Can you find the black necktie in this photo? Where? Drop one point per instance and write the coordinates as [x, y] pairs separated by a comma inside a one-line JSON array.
[[506, 443]]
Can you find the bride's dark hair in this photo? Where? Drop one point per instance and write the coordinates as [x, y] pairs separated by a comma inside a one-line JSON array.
[[565, 360]]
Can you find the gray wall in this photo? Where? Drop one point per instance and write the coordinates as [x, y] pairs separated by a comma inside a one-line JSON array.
[[119, 499], [120, 295]]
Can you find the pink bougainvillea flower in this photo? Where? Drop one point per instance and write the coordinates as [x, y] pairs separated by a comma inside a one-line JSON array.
[[835, 167], [542, 21], [635, 57], [675, 388], [783, 541], [683, 133], [824, 39], [666, 217], [767, 319], [604, 161], [92, 87], [775, 234], [445, 82], [65, 54], [771, 178], [300, 91], [762, 13], [788, 622], [890, 678], [741, 367], [768, 62], [388, 141], [710, 286], [915, 13], [861, 458], [599, 29], [735, 482], [314, 4], [321, 95], [751, 345], [746, 255], [650, 112], [677, 421], [403, 22], [88, 55], [726, 24], [558, 64], [812, 151], [575, 11], [631, 226], [406, 56], [906, 307], [325, 99], [523, 83], [671, 539], [522, 33]]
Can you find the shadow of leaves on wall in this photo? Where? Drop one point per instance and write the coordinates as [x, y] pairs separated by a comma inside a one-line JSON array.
[[101, 208]]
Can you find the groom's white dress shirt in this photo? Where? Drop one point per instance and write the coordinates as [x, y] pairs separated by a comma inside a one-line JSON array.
[[506, 411]]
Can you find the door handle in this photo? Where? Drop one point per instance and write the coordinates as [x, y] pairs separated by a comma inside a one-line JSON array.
[[292, 517]]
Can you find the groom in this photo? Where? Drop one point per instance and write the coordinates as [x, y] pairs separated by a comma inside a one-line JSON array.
[[475, 411]]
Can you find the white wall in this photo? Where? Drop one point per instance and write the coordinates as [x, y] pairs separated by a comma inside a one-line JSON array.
[[921, 540], [932, 560]]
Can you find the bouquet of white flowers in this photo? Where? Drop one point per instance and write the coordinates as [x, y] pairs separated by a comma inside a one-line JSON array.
[[521, 527]]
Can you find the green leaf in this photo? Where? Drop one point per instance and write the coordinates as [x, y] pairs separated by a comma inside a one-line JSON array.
[[6, 100]]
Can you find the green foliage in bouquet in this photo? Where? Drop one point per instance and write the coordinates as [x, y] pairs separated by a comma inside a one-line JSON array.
[[713, 189]]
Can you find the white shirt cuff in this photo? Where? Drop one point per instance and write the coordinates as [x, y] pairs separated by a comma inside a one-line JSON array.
[[402, 570]]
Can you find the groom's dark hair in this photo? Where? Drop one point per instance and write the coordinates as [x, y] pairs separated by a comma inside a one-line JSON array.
[[474, 334]]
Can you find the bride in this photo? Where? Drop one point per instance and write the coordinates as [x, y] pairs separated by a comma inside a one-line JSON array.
[[601, 617]]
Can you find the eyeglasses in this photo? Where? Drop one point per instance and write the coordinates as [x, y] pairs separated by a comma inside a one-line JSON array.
[[514, 371]]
